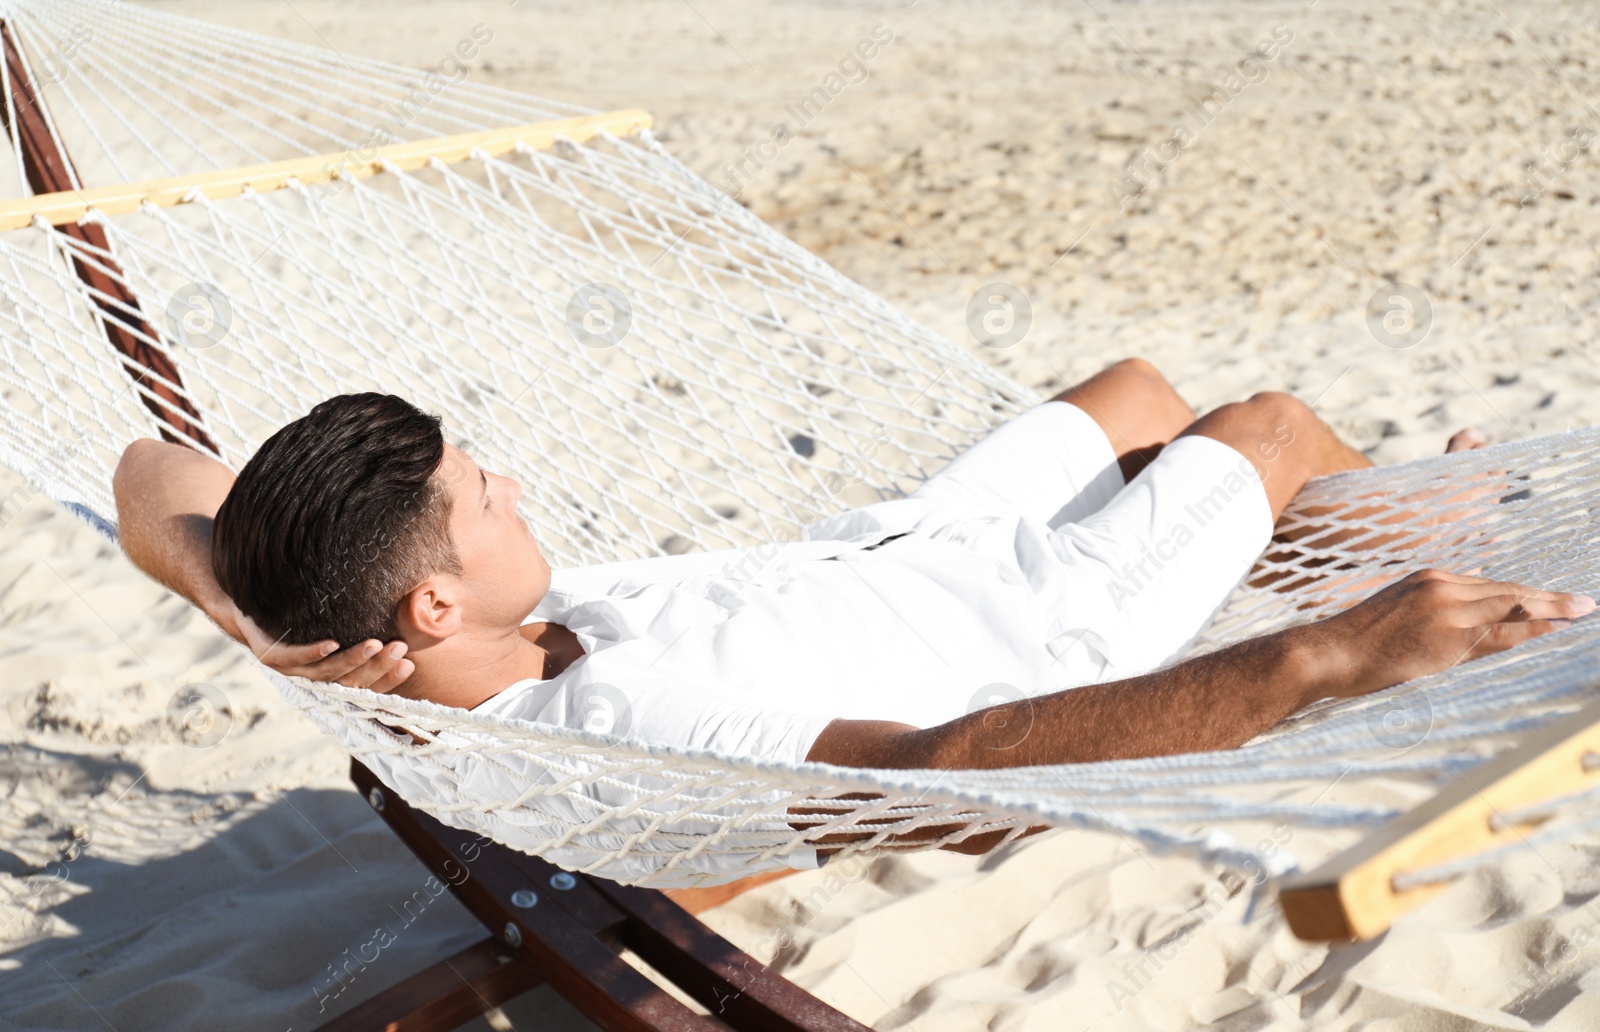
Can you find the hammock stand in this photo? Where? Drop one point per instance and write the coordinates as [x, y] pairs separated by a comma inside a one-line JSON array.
[[547, 926]]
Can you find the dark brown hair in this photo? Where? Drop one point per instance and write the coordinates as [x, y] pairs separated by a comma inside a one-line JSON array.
[[334, 519]]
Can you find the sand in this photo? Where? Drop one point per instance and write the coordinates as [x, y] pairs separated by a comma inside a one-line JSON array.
[[153, 882]]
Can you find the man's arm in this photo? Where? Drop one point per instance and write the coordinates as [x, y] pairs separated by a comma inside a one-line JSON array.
[[1419, 625], [167, 496]]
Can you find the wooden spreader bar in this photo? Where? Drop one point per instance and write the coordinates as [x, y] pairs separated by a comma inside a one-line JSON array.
[[1354, 895], [67, 206]]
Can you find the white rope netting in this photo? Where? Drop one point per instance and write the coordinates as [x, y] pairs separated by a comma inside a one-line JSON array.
[[664, 373]]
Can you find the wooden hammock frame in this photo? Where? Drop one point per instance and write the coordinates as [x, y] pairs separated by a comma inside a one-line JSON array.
[[65, 205], [550, 927], [1356, 895]]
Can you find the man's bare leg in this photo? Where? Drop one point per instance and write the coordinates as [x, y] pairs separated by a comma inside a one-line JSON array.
[[1136, 407], [1287, 442]]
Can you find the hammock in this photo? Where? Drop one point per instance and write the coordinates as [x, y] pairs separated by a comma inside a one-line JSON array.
[[665, 373]]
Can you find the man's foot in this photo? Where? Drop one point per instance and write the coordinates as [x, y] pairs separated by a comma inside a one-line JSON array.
[[1466, 440]]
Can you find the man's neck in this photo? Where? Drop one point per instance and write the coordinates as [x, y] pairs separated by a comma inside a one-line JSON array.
[[471, 667]]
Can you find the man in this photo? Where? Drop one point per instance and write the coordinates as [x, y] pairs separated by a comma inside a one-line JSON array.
[[1053, 570]]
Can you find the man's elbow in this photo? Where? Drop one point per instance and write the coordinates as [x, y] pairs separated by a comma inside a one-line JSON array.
[[873, 744], [134, 466], [136, 470]]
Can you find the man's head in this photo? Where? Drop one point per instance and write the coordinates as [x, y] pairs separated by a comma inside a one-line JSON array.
[[358, 521]]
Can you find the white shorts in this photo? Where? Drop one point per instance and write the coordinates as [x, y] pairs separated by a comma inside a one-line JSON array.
[[1128, 575]]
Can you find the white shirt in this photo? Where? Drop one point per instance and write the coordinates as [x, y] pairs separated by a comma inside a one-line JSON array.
[[752, 652]]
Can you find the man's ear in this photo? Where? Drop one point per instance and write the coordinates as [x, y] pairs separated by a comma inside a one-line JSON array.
[[429, 613]]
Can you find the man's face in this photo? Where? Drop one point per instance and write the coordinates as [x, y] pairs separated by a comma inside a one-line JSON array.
[[504, 572]]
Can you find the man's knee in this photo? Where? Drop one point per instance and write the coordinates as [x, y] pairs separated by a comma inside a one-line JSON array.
[[1160, 400], [1142, 368], [1279, 408], [1262, 426]]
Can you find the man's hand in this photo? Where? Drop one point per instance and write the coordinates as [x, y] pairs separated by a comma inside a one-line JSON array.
[[367, 664], [1431, 621]]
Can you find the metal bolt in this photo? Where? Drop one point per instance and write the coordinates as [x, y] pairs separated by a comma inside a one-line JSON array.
[[562, 881], [513, 935], [375, 797], [524, 898]]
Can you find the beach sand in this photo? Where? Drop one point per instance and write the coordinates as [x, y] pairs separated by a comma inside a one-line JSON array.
[[146, 883]]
